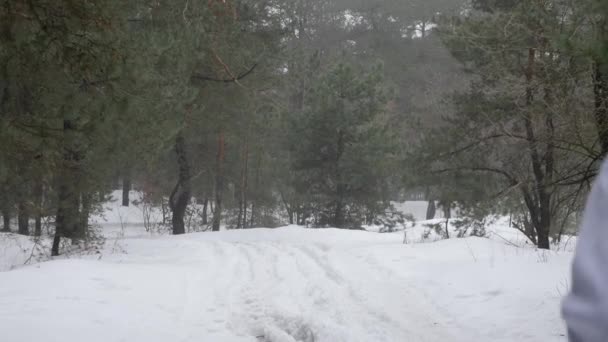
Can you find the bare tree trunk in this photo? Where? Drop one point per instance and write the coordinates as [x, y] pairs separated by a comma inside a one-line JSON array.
[[67, 196], [539, 204], [180, 196], [6, 217], [205, 207], [38, 211], [244, 181], [447, 213], [288, 208], [431, 209], [219, 181], [23, 218], [239, 218], [126, 187], [600, 92], [340, 187], [242, 195], [251, 223]]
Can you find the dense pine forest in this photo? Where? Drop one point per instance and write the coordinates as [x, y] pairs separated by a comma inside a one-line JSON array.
[[260, 113]]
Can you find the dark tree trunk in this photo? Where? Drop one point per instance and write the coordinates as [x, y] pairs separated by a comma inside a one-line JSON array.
[[431, 210], [447, 213], [38, 225], [126, 187], [180, 197], [256, 187], [6, 217], [63, 216], [205, 206], [23, 219], [543, 236], [340, 187], [288, 208], [39, 195], [539, 204], [56, 243], [240, 221], [252, 221], [239, 218], [244, 181], [67, 195], [600, 92], [219, 181]]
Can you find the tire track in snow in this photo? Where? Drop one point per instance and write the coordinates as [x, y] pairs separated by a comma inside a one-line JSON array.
[[297, 291], [377, 320], [323, 288], [419, 309]]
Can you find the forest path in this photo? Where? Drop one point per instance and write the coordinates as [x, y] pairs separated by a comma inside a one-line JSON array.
[[257, 285]]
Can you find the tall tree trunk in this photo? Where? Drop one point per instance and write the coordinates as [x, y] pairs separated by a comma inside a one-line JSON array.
[[38, 225], [340, 186], [39, 196], [431, 209], [256, 187], [252, 219], [447, 213], [180, 196], [126, 187], [244, 178], [240, 219], [600, 92], [219, 181], [205, 206], [67, 195], [288, 208], [63, 211], [539, 205], [6, 217], [23, 218], [543, 230]]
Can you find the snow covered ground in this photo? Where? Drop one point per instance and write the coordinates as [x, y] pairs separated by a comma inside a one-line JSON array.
[[288, 284]]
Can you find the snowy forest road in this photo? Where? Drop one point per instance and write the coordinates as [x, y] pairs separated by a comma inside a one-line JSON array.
[[284, 285]]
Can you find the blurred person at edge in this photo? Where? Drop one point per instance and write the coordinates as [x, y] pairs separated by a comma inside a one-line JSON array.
[[585, 309]]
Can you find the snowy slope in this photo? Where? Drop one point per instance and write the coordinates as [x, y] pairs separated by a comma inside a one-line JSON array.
[[289, 284]]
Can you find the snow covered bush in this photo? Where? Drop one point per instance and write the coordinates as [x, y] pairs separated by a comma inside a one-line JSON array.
[[437, 228], [393, 221], [470, 227]]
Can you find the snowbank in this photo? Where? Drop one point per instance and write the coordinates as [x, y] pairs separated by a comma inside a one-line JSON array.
[[17, 250]]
